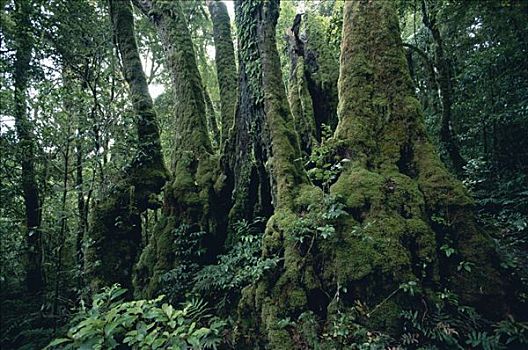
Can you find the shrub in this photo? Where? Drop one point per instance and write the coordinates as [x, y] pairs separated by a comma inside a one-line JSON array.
[[141, 324]]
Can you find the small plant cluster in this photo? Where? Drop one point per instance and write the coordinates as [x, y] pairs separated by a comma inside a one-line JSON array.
[[241, 265], [187, 251], [449, 325], [323, 165], [112, 323], [341, 331], [318, 221], [442, 324]]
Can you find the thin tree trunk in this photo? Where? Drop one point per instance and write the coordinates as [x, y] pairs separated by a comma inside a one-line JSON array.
[[24, 43], [212, 126], [81, 205], [445, 84], [225, 65], [63, 224]]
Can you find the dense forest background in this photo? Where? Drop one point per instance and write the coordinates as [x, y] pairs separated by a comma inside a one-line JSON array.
[[262, 174]]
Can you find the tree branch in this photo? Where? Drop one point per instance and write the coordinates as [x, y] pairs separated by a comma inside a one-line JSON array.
[[145, 6]]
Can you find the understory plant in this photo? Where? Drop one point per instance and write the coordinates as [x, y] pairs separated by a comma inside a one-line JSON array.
[[112, 323], [238, 267]]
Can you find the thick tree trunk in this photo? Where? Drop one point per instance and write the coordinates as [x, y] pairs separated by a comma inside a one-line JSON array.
[[226, 71], [399, 202], [248, 152], [24, 45], [396, 187], [260, 306], [115, 232], [191, 205]]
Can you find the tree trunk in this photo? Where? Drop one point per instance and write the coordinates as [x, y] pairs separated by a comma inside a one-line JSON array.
[[63, 220], [248, 152], [115, 232], [301, 103], [191, 206], [212, 126], [399, 204], [24, 46], [445, 85], [81, 204], [259, 308], [226, 71]]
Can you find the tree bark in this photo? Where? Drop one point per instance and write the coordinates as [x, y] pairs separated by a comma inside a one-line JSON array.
[[24, 128], [226, 70], [115, 232]]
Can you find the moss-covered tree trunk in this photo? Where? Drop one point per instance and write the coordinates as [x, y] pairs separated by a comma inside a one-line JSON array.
[[399, 205], [314, 57], [115, 232], [212, 125], [24, 128], [261, 304], [226, 70], [301, 103], [191, 207]]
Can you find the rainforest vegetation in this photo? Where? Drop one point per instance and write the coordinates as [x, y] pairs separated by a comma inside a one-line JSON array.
[[264, 174]]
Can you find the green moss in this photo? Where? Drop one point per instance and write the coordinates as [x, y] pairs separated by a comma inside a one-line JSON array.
[[439, 187], [226, 70], [301, 105], [359, 187]]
